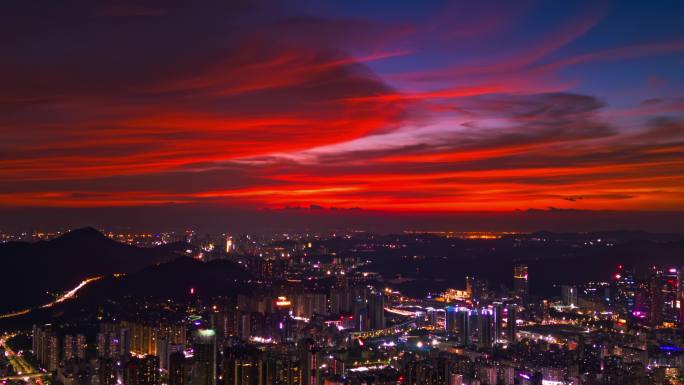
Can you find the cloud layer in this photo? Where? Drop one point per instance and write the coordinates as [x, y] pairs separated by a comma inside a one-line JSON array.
[[268, 106]]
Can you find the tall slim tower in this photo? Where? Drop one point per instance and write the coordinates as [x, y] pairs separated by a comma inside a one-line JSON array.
[[680, 295], [511, 326], [520, 281]]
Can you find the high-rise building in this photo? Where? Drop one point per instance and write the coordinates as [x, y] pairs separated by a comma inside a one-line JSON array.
[[102, 344], [470, 285], [511, 325], [149, 373], [230, 245], [360, 314], [46, 347], [73, 347], [656, 288], [488, 375], [477, 288], [451, 320], [52, 358], [624, 290], [68, 347], [506, 375], [244, 365], [498, 321], [80, 346], [132, 370], [177, 368], [204, 360], [107, 371], [125, 341], [569, 295], [680, 295], [376, 310], [486, 328], [464, 326], [309, 358], [670, 292], [163, 352], [520, 281]]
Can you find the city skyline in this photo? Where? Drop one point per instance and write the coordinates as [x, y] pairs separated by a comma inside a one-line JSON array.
[[518, 116], [341, 192], [343, 309]]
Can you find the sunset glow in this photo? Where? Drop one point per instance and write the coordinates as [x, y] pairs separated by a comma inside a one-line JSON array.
[[411, 108]]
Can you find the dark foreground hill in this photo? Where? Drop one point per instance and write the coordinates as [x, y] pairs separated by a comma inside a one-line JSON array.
[[173, 280], [30, 271], [123, 296]]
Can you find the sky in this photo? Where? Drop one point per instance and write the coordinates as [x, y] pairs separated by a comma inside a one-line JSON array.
[[397, 109]]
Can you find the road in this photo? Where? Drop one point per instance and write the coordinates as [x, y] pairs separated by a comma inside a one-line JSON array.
[[64, 297], [25, 371]]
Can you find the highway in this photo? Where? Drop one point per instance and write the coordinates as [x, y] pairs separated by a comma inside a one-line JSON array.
[[25, 371], [64, 297]]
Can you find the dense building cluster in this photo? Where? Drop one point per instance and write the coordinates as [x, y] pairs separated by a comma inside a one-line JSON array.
[[318, 316]]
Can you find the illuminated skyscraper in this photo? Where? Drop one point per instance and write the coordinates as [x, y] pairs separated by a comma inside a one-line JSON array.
[[360, 314], [142, 371], [656, 287], [670, 293], [204, 360], [230, 246], [309, 358], [244, 365], [451, 320], [520, 281], [46, 347], [68, 348], [470, 283], [80, 346], [624, 290], [663, 292], [376, 310], [680, 295], [511, 326], [149, 373], [486, 328], [569, 295], [464, 326], [498, 321], [73, 347]]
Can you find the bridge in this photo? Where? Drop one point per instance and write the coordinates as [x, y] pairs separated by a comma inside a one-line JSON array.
[[386, 332]]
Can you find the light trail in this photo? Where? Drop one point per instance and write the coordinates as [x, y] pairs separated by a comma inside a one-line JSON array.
[[401, 312], [71, 293], [64, 297]]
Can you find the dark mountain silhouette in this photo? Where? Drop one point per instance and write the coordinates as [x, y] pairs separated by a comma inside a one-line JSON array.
[[173, 280], [30, 271]]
